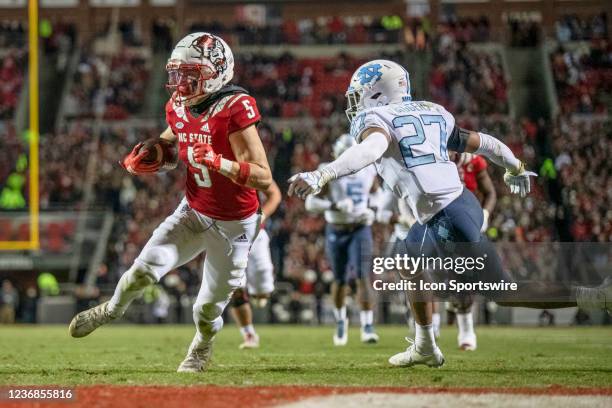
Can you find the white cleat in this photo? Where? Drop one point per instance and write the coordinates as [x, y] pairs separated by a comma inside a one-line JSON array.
[[368, 335], [412, 357], [197, 359], [467, 342], [341, 335], [89, 320], [251, 341]]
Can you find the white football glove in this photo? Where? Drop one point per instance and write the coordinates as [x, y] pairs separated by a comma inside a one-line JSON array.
[[367, 217], [518, 181], [312, 182], [485, 221], [345, 205]]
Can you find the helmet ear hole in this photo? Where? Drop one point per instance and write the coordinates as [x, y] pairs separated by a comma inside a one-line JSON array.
[[376, 95]]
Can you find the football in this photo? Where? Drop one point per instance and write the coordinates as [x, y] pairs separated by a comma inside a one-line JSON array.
[[155, 150], [159, 151]]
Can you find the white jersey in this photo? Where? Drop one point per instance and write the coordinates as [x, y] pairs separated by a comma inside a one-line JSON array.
[[399, 207], [406, 219], [356, 187], [416, 164]]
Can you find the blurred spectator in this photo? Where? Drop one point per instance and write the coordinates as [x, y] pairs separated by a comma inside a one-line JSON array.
[[12, 63], [12, 34], [524, 32], [29, 305], [466, 29], [288, 87], [128, 74], [571, 27], [583, 77], [9, 301], [465, 80], [319, 30], [582, 149]]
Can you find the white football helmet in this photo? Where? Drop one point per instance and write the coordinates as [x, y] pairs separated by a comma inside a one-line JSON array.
[[200, 64], [342, 143], [377, 83]]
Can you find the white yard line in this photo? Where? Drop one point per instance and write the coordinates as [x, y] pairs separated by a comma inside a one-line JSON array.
[[449, 400]]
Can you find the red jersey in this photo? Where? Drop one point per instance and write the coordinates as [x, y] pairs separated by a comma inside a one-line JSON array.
[[208, 192], [469, 172]]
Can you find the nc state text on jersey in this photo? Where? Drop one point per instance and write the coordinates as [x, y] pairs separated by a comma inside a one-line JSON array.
[[194, 138]]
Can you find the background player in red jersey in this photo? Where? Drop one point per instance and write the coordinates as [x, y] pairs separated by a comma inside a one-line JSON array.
[[473, 172], [212, 125]]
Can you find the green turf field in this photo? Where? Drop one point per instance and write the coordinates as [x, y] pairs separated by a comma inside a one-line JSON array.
[[120, 354]]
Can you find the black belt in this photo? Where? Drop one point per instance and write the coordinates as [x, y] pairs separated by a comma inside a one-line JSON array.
[[346, 227]]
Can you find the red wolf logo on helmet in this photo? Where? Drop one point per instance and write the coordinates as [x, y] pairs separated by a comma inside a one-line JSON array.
[[210, 47]]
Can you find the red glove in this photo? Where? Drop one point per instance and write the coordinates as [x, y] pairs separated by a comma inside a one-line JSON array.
[[203, 153], [135, 164]]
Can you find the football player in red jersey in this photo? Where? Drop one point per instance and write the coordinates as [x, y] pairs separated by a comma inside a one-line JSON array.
[[473, 172], [212, 124]]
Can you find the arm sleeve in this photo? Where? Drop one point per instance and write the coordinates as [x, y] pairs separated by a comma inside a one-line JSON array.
[[243, 113], [458, 139], [316, 204], [498, 152], [365, 121], [359, 156]]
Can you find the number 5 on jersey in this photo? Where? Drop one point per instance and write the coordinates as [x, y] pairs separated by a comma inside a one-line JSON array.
[[202, 177], [250, 111]]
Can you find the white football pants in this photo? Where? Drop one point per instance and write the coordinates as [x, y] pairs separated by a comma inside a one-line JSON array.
[[177, 240]]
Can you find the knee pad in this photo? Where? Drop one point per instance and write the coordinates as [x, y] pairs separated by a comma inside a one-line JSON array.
[[240, 297]]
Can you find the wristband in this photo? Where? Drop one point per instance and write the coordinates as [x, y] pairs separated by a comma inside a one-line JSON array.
[[521, 168], [243, 173], [225, 166]]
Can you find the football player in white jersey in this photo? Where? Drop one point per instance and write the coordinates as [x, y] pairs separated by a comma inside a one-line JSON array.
[[348, 241], [408, 141], [259, 274]]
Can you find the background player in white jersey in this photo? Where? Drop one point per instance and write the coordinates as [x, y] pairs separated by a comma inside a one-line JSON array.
[[348, 241], [259, 274], [409, 142]]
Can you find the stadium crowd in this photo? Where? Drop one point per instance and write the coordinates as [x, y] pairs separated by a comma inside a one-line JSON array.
[[583, 77], [308, 31], [12, 63], [569, 201], [467, 80], [575, 28], [124, 93]]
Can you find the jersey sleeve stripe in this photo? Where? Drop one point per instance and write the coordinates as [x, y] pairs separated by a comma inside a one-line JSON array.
[[235, 99]]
